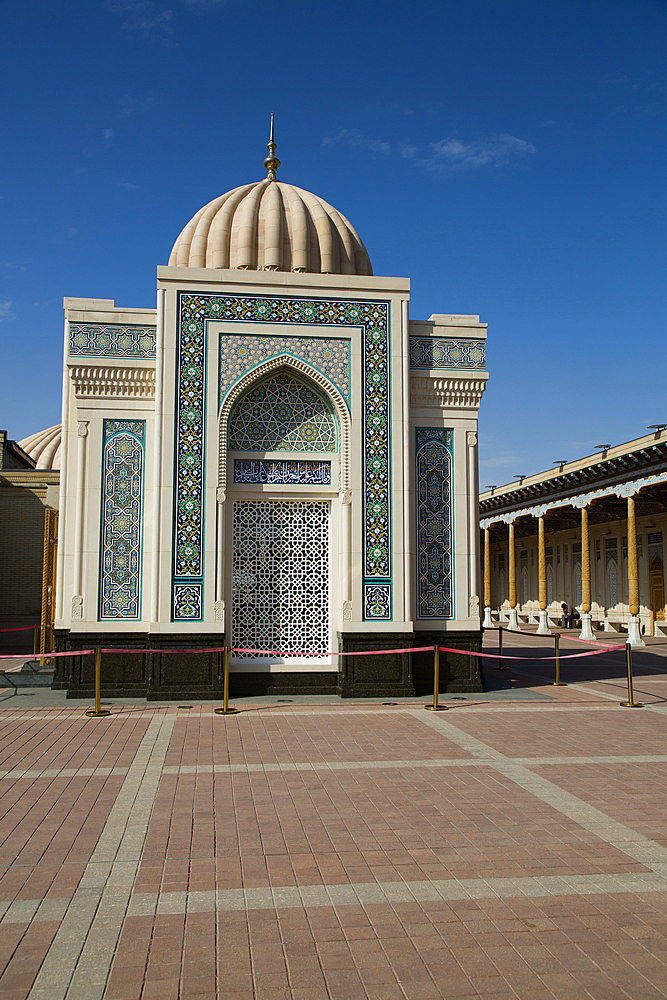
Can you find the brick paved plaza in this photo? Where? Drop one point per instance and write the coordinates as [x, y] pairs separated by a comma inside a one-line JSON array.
[[312, 849]]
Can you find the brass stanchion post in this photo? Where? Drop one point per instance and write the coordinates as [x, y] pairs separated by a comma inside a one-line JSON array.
[[630, 703], [226, 710], [500, 650], [35, 640], [558, 681], [98, 686], [436, 683]]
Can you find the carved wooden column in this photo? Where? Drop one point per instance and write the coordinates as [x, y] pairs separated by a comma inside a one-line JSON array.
[[511, 558], [543, 627], [634, 631], [488, 621], [586, 630]]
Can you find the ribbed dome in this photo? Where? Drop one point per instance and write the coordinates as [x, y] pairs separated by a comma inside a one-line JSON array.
[[44, 447], [271, 226]]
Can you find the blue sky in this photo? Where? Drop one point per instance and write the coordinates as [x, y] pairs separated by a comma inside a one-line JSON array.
[[506, 155]]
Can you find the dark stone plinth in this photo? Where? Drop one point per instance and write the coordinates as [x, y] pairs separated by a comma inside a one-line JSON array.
[[457, 673], [154, 674], [249, 683], [404, 675], [159, 675]]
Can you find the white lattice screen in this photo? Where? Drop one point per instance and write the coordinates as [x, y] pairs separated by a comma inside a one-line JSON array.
[[280, 576]]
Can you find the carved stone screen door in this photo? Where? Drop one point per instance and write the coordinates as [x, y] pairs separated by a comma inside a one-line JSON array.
[[280, 577]]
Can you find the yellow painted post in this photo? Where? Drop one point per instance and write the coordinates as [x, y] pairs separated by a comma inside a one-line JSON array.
[[435, 707], [585, 564], [487, 568], [226, 710], [542, 564], [633, 575], [511, 558], [630, 703], [98, 686]]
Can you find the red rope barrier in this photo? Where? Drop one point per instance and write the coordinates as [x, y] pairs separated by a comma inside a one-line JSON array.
[[497, 656], [22, 628], [45, 656]]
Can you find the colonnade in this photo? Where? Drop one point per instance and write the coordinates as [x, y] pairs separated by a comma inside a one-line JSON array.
[[634, 631]]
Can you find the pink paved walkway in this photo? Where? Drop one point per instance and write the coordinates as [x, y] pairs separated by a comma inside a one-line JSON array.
[[339, 851]]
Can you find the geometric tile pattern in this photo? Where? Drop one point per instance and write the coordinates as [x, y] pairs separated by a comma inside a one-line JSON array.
[[373, 318], [239, 353], [281, 413], [282, 471], [436, 352], [120, 548], [280, 576], [433, 477], [112, 341]]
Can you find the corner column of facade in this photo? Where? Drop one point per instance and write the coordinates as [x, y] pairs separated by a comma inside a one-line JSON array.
[[586, 630], [79, 508], [634, 631], [488, 621], [511, 559], [543, 627]]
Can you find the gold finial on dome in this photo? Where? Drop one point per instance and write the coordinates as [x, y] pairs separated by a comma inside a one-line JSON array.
[[271, 162]]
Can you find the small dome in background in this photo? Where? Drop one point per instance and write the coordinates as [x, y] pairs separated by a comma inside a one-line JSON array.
[[271, 226], [44, 447]]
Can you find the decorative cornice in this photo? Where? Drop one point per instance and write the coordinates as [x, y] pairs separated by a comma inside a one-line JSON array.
[[627, 489], [644, 467], [446, 392], [107, 381]]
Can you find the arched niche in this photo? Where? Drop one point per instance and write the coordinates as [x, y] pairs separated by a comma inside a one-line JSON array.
[[305, 373]]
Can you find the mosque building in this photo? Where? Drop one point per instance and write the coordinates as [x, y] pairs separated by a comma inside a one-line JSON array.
[[275, 458]]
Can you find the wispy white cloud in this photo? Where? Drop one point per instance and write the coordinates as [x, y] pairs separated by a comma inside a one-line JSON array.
[[450, 153], [128, 187], [108, 134], [493, 150], [353, 137], [204, 5], [144, 18], [407, 150], [6, 311]]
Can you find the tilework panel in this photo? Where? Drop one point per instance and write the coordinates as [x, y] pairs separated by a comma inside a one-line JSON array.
[[122, 495], [188, 602], [282, 413], [440, 352], [377, 601], [112, 341], [433, 477], [241, 352], [285, 472], [373, 318]]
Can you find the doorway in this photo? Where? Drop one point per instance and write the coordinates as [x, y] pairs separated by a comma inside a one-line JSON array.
[[656, 575]]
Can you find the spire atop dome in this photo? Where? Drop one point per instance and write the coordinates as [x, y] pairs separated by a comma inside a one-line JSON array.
[[271, 162]]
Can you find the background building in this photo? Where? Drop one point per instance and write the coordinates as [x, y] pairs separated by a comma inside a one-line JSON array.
[[588, 533]]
